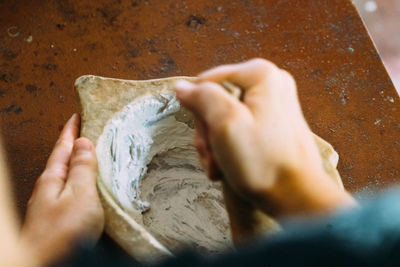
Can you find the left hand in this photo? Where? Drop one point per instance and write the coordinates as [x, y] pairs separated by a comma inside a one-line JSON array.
[[64, 207]]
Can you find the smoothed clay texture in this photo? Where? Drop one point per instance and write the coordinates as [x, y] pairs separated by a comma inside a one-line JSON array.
[[185, 209], [148, 160]]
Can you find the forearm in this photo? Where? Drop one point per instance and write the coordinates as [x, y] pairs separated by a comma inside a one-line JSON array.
[[296, 193], [9, 224], [12, 251]]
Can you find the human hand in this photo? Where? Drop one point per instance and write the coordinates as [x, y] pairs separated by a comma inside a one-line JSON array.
[[64, 207], [262, 145]]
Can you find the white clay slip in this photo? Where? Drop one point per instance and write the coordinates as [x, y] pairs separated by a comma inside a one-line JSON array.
[[149, 163]]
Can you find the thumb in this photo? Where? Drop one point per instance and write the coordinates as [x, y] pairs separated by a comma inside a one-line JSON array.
[[209, 101], [83, 167]]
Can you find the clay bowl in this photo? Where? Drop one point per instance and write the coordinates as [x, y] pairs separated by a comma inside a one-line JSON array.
[[185, 211]]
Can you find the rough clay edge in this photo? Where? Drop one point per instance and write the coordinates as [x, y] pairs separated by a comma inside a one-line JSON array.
[[156, 250], [129, 81]]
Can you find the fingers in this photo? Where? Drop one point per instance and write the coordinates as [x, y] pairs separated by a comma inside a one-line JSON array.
[[215, 108], [204, 150], [52, 180], [83, 168], [200, 141], [213, 170], [61, 153], [262, 82], [245, 75], [208, 101]]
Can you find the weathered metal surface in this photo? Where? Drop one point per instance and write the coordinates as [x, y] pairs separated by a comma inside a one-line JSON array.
[[346, 94]]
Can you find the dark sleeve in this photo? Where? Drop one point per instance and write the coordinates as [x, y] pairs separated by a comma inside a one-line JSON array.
[[366, 236]]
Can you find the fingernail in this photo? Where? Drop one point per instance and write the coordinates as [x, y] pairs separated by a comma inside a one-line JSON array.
[[183, 86]]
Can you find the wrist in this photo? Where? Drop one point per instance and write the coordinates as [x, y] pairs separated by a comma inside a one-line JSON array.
[[246, 221], [300, 191]]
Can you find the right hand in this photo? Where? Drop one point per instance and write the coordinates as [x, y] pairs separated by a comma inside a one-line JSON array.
[[262, 145]]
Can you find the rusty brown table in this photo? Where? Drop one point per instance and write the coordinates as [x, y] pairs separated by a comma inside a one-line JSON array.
[[346, 94]]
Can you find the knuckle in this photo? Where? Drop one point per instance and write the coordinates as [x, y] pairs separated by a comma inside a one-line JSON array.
[[52, 173], [289, 80], [287, 75], [258, 61], [44, 181], [262, 69], [86, 159], [263, 64], [204, 90]]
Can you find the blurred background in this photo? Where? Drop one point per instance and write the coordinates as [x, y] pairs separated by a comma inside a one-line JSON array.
[[382, 19]]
